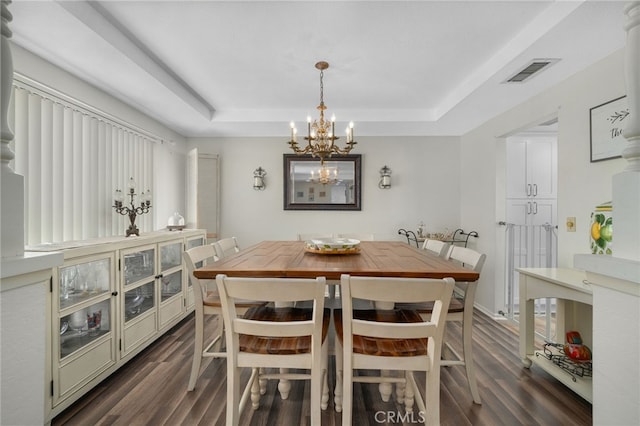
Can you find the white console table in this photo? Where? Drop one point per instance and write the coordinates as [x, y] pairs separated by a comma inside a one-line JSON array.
[[567, 286]]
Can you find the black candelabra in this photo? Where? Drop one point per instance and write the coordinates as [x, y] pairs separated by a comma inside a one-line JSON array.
[[131, 210]]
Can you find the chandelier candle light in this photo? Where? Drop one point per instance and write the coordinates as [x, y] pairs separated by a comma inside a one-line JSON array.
[[321, 134], [132, 211]]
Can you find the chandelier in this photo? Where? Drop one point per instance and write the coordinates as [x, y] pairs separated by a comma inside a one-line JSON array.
[[325, 176], [321, 134]]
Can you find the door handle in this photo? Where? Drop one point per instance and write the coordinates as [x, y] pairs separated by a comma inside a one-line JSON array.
[[535, 207], [528, 190], [535, 189], [528, 207]]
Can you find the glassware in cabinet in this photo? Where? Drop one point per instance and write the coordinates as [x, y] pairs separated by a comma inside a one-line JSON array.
[[171, 255], [138, 301], [83, 326], [170, 285], [80, 282], [139, 265]]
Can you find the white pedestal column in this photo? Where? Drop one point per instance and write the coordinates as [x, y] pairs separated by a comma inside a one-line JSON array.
[[12, 195], [616, 279], [626, 185]]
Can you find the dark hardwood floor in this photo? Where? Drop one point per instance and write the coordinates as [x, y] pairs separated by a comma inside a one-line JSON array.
[[152, 390]]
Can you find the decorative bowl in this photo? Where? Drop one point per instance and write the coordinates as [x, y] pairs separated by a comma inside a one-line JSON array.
[[333, 246]]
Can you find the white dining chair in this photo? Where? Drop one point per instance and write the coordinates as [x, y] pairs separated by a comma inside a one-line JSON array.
[[226, 247], [207, 302], [362, 236], [437, 247], [391, 339], [315, 236], [269, 337], [460, 310]]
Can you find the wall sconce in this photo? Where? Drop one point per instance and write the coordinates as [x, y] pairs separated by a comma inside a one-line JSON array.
[[258, 179], [385, 178], [132, 211]]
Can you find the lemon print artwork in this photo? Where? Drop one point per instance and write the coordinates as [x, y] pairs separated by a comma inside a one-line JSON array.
[[602, 229]]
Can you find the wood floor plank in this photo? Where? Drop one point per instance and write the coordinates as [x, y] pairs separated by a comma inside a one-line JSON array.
[[151, 389]]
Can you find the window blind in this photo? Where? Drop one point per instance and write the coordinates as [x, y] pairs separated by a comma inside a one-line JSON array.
[[73, 157]]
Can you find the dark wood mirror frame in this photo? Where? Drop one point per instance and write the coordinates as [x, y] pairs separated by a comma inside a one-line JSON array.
[[304, 194]]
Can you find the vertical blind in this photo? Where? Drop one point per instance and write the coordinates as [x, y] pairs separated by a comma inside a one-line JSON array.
[[73, 157]]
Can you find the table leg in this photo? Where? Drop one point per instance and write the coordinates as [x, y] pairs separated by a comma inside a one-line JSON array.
[[527, 326]]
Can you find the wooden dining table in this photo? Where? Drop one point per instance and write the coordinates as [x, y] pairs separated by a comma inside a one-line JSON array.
[[289, 259]]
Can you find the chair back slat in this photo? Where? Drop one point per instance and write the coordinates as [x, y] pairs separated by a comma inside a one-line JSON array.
[[226, 247], [274, 329], [276, 289], [468, 258], [404, 290], [437, 247], [394, 330]]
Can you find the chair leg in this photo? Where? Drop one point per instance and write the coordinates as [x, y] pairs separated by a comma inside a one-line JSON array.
[[347, 391], [385, 388], [284, 385], [197, 351], [337, 393], [262, 382], [409, 394], [316, 391], [401, 392], [469, 365], [432, 397], [233, 395], [255, 393], [325, 373]]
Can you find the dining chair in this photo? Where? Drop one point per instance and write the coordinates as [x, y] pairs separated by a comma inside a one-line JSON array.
[[357, 236], [207, 302], [268, 337], [226, 247], [391, 339], [315, 236], [461, 310], [439, 248]]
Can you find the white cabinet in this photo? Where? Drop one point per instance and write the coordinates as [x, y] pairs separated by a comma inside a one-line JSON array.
[[531, 180], [83, 333], [532, 167], [525, 211], [110, 299]]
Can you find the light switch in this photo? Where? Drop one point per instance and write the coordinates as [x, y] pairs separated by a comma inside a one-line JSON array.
[[571, 224]]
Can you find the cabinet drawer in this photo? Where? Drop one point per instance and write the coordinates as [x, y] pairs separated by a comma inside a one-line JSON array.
[[137, 333], [170, 310], [75, 373]]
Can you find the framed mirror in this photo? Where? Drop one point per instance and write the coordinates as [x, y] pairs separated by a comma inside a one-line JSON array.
[[310, 185]]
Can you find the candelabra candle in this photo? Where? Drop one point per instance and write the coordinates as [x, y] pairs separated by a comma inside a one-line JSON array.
[[132, 210]]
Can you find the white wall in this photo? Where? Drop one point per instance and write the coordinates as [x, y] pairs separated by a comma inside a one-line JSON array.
[[425, 187], [581, 184], [169, 157]]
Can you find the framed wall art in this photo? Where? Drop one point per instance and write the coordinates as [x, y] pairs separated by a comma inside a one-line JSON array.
[[607, 121]]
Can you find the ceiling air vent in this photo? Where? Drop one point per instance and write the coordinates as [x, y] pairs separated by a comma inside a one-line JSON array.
[[531, 69]]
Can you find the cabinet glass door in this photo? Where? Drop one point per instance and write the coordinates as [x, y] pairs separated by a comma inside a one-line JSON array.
[[138, 301], [83, 281], [171, 256], [83, 326], [171, 285], [139, 266]]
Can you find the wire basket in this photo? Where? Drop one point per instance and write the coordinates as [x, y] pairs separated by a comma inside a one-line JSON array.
[[554, 352]]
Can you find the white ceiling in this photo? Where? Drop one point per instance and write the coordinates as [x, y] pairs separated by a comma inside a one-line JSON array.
[[246, 68]]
